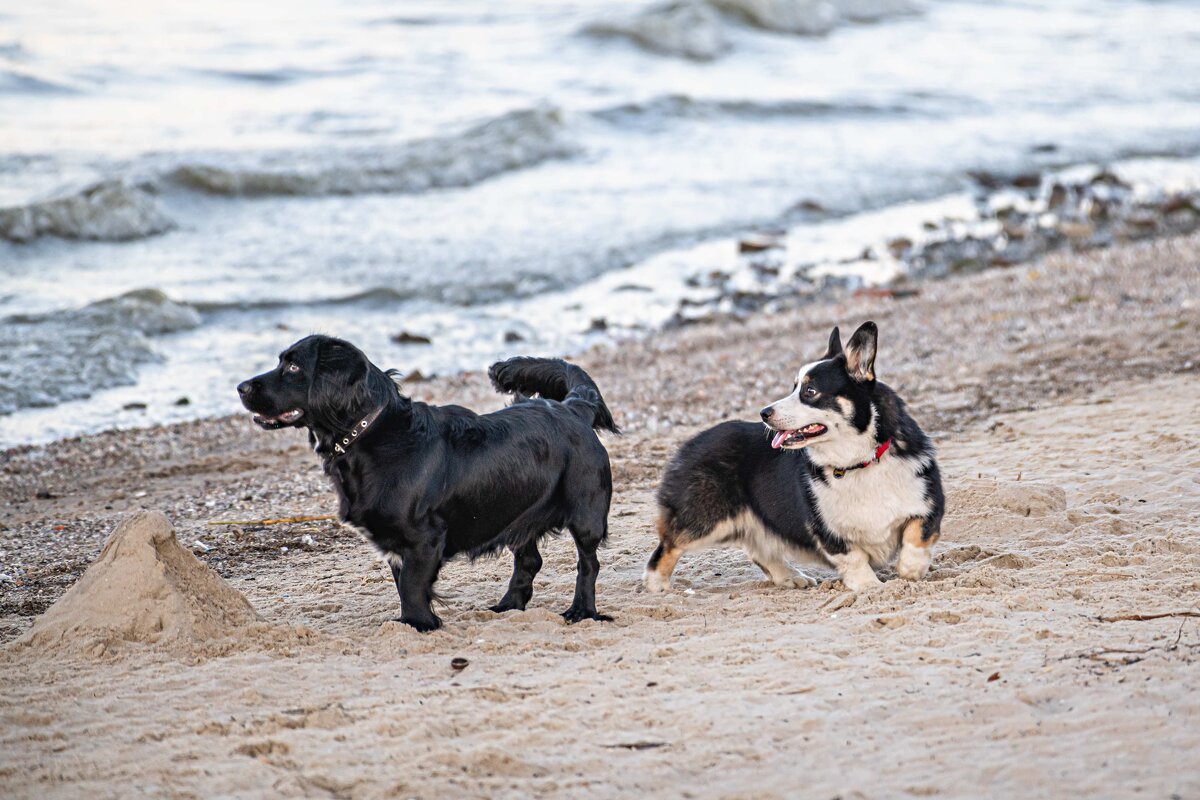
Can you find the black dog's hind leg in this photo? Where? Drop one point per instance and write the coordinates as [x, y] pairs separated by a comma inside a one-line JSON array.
[[526, 563], [414, 578], [584, 605]]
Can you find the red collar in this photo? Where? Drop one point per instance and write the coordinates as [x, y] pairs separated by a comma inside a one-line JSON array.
[[879, 451]]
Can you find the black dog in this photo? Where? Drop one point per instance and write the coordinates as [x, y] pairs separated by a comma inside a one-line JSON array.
[[425, 483]]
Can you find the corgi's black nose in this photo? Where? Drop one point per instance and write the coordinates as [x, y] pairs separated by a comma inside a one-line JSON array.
[[767, 413], [245, 388]]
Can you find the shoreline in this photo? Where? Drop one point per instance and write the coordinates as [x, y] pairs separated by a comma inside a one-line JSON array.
[[1001, 221]]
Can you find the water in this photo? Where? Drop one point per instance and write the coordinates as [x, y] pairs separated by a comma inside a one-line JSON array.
[[255, 172]]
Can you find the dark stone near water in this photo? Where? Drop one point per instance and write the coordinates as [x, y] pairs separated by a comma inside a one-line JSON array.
[[511, 337], [809, 207], [134, 406], [183, 401], [404, 337], [756, 243], [1178, 203], [1058, 196]]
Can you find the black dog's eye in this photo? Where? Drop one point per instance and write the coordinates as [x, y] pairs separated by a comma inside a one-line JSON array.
[[291, 368], [809, 393]]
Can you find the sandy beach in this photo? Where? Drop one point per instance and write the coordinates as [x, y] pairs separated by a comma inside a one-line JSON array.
[[1065, 413]]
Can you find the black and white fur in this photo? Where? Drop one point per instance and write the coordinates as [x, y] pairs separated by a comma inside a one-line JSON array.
[[775, 495], [424, 483]]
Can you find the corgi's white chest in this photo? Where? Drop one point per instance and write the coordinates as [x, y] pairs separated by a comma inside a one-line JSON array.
[[867, 505]]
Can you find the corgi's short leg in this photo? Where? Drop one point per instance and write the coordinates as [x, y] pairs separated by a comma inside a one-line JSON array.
[[916, 544], [854, 567], [784, 575], [657, 577]]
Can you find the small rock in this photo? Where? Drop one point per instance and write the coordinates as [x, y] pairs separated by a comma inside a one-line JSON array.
[[598, 324], [1029, 180], [1179, 203], [183, 401], [416, 376], [1108, 178], [404, 337], [898, 246], [1058, 196], [512, 336], [134, 406], [757, 242]]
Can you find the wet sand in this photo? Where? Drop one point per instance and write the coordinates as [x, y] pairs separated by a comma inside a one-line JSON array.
[[1062, 398]]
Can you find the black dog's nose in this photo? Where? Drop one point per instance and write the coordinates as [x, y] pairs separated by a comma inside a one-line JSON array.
[[245, 387], [767, 413]]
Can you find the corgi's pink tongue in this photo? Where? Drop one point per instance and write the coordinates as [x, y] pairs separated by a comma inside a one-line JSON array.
[[779, 438]]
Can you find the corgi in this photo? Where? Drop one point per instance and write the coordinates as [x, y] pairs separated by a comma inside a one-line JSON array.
[[841, 477]]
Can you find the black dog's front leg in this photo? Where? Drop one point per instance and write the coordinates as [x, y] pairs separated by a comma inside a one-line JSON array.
[[415, 576]]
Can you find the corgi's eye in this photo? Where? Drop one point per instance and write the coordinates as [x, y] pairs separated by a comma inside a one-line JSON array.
[[809, 393], [291, 368]]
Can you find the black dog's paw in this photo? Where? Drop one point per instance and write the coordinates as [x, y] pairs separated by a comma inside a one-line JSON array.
[[422, 624], [573, 615], [507, 605]]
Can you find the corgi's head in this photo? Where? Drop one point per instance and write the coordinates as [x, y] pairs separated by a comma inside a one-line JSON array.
[[830, 406]]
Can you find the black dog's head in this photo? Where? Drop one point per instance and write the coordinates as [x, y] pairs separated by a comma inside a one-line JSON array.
[[321, 383], [831, 398]]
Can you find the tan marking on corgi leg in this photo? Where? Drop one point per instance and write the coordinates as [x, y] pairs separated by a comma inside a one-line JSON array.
[[855, 570], [657, 577], [915, 555]]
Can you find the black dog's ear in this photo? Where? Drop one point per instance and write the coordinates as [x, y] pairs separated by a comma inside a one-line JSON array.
[[860, 352], [340, 363], [835, 345]]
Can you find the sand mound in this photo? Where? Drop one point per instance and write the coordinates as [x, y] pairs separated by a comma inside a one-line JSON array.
[[144, 588]]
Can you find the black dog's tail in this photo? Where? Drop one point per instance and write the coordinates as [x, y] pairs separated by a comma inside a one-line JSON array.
[[554, 379]]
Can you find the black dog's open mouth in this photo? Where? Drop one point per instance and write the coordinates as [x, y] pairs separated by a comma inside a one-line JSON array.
[[783, 438], [280, 420]]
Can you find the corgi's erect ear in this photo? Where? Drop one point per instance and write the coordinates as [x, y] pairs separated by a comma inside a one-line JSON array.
[[835, 345], [860, 352]]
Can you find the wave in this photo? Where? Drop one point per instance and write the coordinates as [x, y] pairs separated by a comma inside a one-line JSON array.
[[699, 29], [454, 292], [688, 29], [128, 207], [69, 355], [684, 106], [111, 210], [513, 141], [21, 80], [813, 17]]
